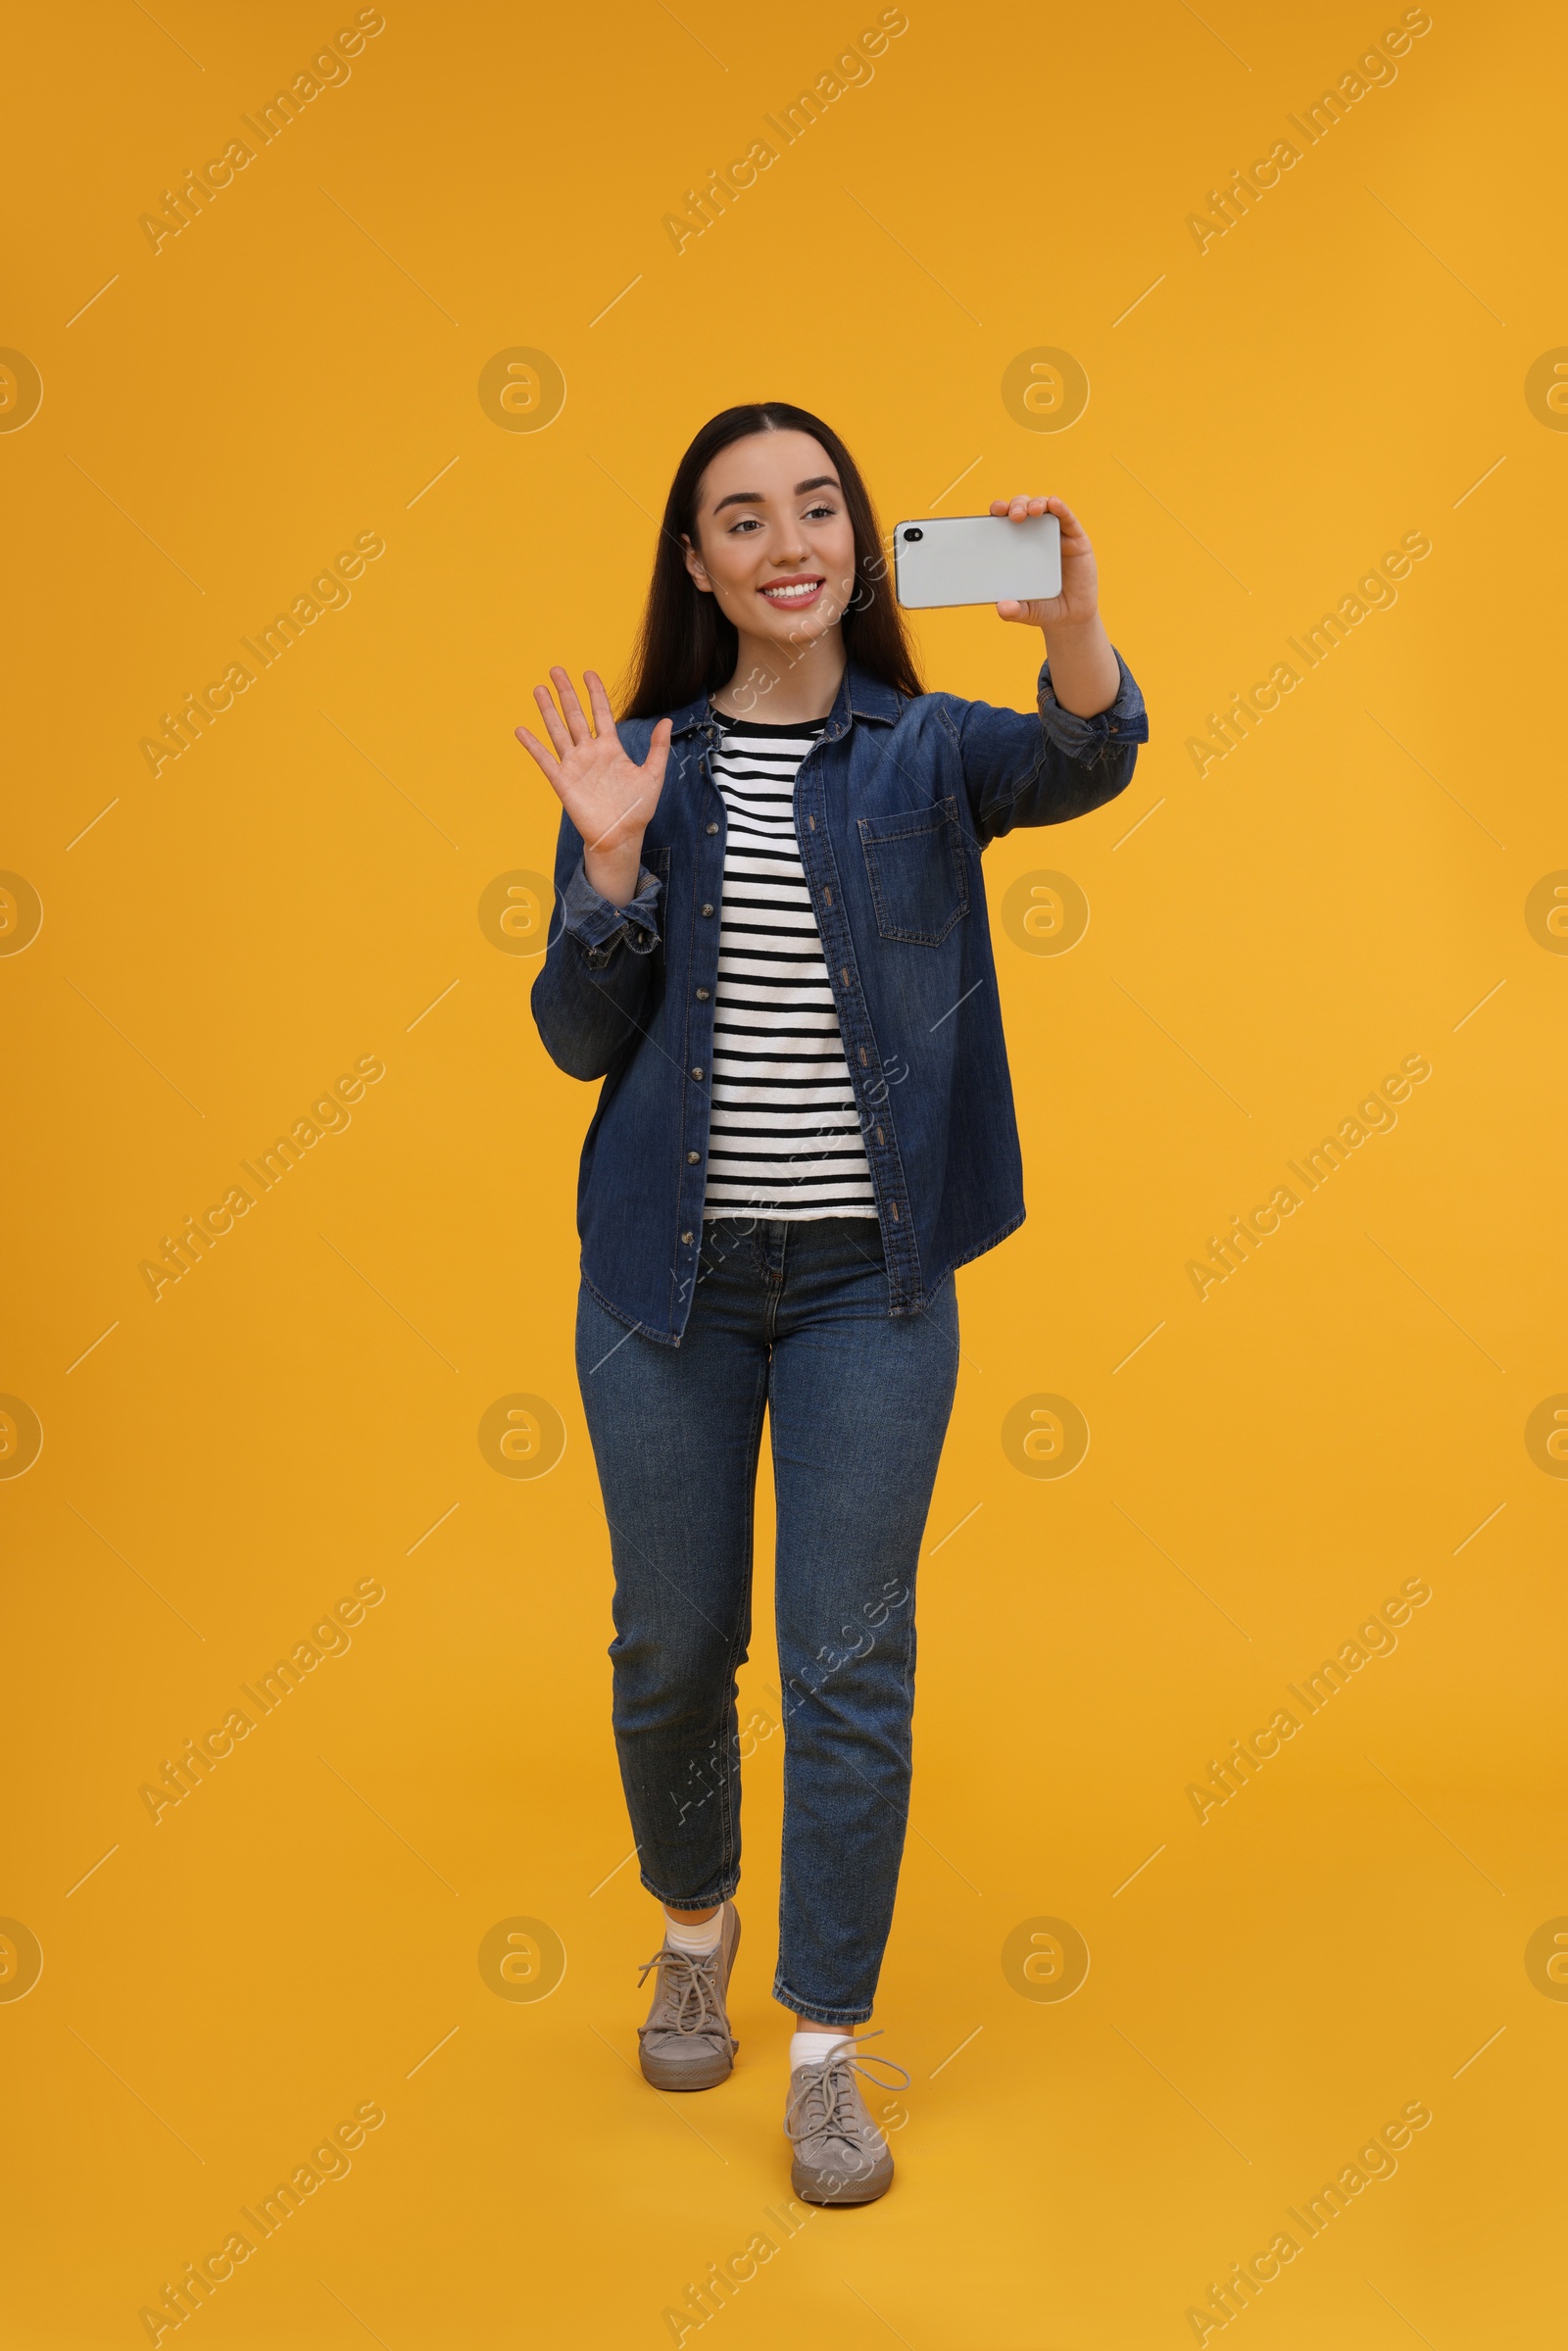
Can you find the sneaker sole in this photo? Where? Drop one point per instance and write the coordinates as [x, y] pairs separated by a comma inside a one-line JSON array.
[[838, 2187], [679, 2073]]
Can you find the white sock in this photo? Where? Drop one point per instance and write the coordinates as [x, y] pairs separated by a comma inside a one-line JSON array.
[[697, 1937], [810, 2048]]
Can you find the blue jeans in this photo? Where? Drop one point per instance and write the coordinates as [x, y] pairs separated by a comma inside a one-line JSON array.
[[794, 1317]]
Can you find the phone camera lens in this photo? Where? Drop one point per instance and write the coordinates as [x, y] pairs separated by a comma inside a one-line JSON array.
[[913, 534]]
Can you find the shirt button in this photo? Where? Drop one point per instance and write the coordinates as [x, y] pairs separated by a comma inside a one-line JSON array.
[[708, 909], [697, 1073], [702, 996], [692, 1158], [686, 1240], [713, 828]]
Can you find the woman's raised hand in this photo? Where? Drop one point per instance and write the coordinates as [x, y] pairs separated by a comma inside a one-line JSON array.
[[1085, 675], [609, 798], [1079, 600]]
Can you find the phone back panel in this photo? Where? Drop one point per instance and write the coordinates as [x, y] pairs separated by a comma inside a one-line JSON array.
[[976, 558]]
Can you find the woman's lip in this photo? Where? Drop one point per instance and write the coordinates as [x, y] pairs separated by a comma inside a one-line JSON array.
[[815, 586]]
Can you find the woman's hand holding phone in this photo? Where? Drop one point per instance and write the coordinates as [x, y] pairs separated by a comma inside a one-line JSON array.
[[1084, 674], [609, 798]]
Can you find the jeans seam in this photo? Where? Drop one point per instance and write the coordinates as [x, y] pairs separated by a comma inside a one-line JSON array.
[[728, 1842], [773, 1291]]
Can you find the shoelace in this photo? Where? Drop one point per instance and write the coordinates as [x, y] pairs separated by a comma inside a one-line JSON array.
[[692, 1984], [823, 2107]]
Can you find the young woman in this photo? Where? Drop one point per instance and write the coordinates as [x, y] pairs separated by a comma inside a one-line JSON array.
[[772, 947]]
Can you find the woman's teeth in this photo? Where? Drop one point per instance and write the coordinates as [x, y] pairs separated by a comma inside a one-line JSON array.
[[796, 592]]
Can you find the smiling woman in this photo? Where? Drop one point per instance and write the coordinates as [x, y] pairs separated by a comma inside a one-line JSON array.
[[698, 600], [768, 924]]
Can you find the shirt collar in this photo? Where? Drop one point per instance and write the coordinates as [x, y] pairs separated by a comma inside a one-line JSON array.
[[860, 696]]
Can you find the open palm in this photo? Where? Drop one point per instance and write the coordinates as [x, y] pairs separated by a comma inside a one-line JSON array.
[[609, 798]]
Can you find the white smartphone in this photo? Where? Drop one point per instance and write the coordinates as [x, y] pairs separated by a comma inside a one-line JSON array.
[[976, 558]]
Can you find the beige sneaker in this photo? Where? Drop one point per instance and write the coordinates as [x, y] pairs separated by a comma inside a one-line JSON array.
[[840, 2155], [686, 2042]]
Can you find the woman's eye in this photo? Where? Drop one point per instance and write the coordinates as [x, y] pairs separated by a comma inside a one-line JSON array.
[[817, 513]]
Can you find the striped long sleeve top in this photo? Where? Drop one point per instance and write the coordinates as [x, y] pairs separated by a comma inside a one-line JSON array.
[[785, 1134]]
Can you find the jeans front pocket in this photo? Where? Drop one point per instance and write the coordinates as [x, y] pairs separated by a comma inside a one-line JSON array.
[[919, 880]]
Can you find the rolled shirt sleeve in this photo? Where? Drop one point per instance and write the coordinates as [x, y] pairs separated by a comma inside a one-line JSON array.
[[1125, 722], [599, 927], [1046, 765]]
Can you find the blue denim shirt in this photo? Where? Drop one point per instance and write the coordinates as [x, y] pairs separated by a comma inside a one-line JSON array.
[[892, 805]]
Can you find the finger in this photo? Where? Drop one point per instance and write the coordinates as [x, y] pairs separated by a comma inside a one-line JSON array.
[[555, 726], [999, 506], [604, 716], [1018, 510], [572, 706], [1009, 608], [1069, 521], [532, 745], [659, 751]]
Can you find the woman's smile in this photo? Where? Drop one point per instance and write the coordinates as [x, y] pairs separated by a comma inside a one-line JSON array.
[[794, 592]]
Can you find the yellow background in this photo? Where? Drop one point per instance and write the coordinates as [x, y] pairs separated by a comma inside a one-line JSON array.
[[294, 1416]]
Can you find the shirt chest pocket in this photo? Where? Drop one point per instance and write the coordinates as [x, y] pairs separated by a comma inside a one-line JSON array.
[[919, 878]]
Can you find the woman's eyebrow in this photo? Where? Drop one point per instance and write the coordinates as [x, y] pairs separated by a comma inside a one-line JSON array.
[[819, 481]]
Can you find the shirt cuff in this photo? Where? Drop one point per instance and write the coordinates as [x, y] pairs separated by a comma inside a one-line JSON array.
[[1125, 722], [598, 925]]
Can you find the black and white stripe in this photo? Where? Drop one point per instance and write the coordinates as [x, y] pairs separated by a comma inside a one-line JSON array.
[[785, 1138]]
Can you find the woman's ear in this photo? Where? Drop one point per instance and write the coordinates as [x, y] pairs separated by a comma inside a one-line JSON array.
[[695, 565]]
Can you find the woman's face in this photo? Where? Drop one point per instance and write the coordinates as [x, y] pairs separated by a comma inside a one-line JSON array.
[[775, 542]]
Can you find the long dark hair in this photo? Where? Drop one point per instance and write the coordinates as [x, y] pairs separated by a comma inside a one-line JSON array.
[[686, 647]]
